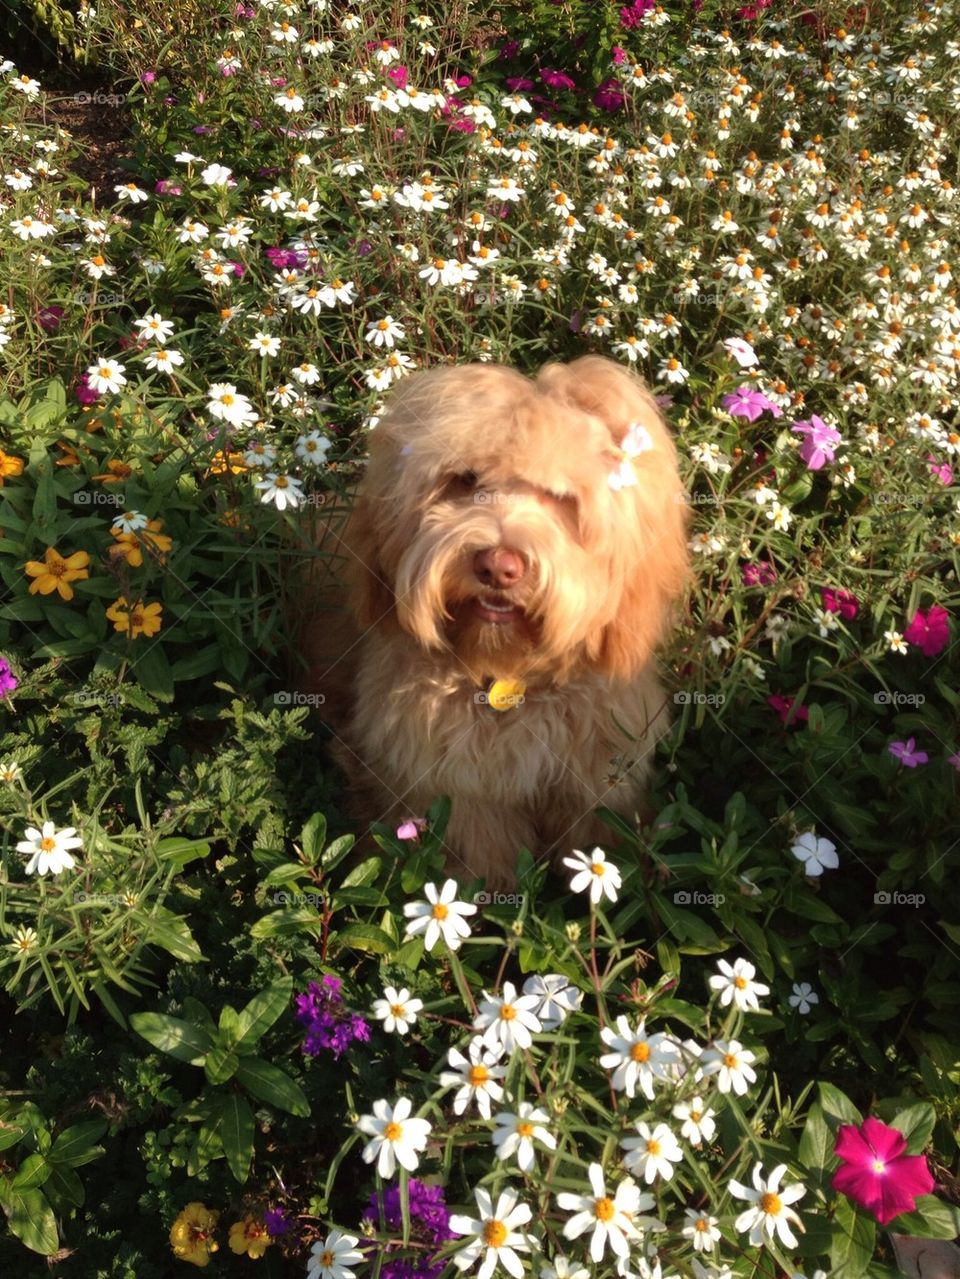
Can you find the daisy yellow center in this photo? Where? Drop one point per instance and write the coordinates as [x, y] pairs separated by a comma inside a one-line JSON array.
[[640, 1052], [494, 1234], [598, 868], [24, 943], [701, 1223], [439, 263], [383, 325], [508, 1012], [227, 399], [729, 1060], [771, 1204], [48, 844], [604, 1209], [740, 983], [653, 1147], [695, 1115], [104, 370], [326, 1260], [525, 1129], [478, 1075], [440, 911], [281, 482], [393, 1132], [397, 1009]]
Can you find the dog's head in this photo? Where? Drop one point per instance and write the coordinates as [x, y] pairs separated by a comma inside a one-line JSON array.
[[530, 526]]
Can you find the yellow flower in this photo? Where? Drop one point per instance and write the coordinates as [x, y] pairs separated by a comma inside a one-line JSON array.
[[70, 456], [191, 1235], [130, 545], [140, 619], [9, 465], [504, 694], [249, 1236], [56, 573], [222, 462], [117, 473]]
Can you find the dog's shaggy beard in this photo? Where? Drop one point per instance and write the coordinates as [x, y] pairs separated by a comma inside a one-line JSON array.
[[436, 589]]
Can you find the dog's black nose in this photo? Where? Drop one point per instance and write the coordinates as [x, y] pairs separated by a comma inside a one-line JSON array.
[[499, 566]]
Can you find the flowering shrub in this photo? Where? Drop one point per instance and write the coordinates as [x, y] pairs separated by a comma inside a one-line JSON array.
[[765, 229]]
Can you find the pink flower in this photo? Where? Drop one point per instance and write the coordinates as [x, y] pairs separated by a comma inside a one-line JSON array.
[[749, 403], [784, 705], [760, 574], [841, 602], [619, 55], [929, 629], [906, 753], [609, 96], [742, 352], [876, 1174], [820, 442], [942, 470], [954, 760], [399, 75], [411, 828], [556, 79]]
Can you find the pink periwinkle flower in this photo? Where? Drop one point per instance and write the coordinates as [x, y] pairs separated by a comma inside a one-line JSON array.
[[819, 443], [556, 79], [907, 753], [842, 602], [399, 75], [929, 630], [762, 573], [942, 470], [784, 706], [609, 96], [750, 403], [875, 1173], [411, 828]]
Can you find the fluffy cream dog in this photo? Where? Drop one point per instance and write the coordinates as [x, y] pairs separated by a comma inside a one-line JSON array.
[[518, 544]]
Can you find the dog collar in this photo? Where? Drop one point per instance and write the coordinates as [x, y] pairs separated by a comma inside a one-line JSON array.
[[503, 694]]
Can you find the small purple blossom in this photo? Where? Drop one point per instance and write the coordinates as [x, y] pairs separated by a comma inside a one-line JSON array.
[[148, 77], [556, 79], [427, 1206], [609, 96], [762, 573], [517, 84], [907, 753], [821, 440], [954, 760], [8, 681], [49, 317], [411, 829], [329, 1024], [278, 1222], [84, 392], [750, 403]]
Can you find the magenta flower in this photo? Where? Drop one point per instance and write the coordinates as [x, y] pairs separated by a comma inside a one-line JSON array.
[[49, 317], [784, 705], [84, 392], [399, 75], [942, 470], [8, 681], [821, 440], [148, 77], [747, 402], [411, 828], [619, 55], [876, 1174], [609, 96], [907, 753], [556, 79], [842, 602], [929, 629], [954, 760], [518, 84], [760, 574]]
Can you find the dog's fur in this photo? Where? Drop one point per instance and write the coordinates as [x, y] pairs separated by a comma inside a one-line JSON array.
[[433, 556]]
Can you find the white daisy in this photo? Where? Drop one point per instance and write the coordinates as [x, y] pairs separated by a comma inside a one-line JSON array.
[[396, 1138], [702, 1229], [636, 1058], [594, 875], [476, 1077], [731, 1063], [653, 1153], [397, 1010], [737, 985], [770, 1213], [282, 490], [613, 1221], [441, 915], [48, 849], [698, 1125], [495, 1236], [508, 1020], [515, 1134], [334, 1256], [106, 376]]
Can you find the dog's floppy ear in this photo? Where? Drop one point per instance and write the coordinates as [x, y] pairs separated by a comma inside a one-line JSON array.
[[370, 592], [647, 529]]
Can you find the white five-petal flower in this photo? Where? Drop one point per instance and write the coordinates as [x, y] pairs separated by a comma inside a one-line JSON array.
[[441, 915], [395, 1137]]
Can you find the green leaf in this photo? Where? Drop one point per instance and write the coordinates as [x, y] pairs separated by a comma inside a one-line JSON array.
[[853, 1241], [312, 837], [30, 1218], [64, 1189], [152, 669], [176, 1038], [284, 923], [237, 1133], [366, 937], [287, 873], [172, 933], [271, 1084], [196, 665], [262, 1011], [181, 851], [220, 1064], [366, 873], [916, 1123], [77, 1145], [931, 1218], [817, 1140], [334, 854], [10, 1136], [838, 1104], [32, 1173]]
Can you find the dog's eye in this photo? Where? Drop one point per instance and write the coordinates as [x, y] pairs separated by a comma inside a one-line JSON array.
[[468, 479]]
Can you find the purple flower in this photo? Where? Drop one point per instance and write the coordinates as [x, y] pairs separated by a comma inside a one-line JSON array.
[[760, 574], [843, 602], [747, 402], [821, 440], [49, 318], [328, 1023], [619, 55], [84, 392], [556, 79], [510, 49], [942, 470], [609, 96], [906, 754], [399, 75], [8, 681], [929, 630], [517, 84], [148, 77], [427, 1206], [278, 1222], [954, 760]]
